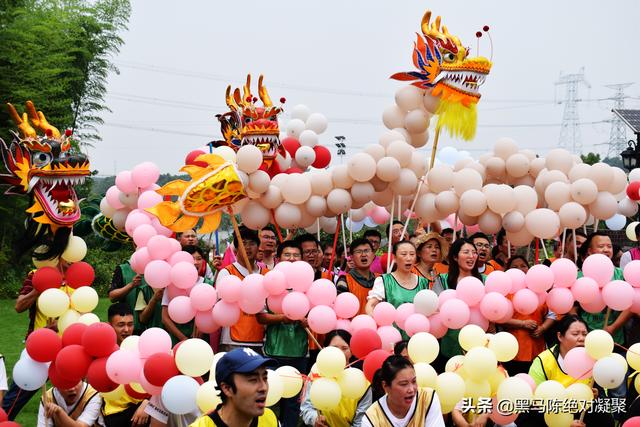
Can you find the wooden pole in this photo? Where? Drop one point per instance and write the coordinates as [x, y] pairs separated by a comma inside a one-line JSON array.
[[344, 236], [350, 229], [313, 337], [241, 249], [544, 249], [564, 238], [575, 247], [434, 148], [318, 226]]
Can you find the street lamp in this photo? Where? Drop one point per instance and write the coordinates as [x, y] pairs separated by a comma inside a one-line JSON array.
[[631, 156], [340, 145]]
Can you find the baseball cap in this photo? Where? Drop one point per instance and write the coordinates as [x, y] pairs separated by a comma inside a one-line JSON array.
[[240, 361]]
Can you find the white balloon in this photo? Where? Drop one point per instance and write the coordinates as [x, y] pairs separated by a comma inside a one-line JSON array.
[[179, 394], [249, 158], [328, 225], [297, 189], [341, 177], [634, 175], [448, 155], [339, 200], [272, 198], [259, 181], [401, 151], [579, 171], [393, 117], [317, 122], [287, 215], [418, 140], [284, 162], [29, 374], [321, 182], [316, 205], [308, 137], [466, 179], [305, 156], [255, 216], [430, 102], [405, 134], [389, 136], [406, 183], [417, 121], [362, 192], [419, 163], [505, 147], [295, 127], [361, 167], [409, 97], [300, 112], [627, 207], [106, 209], [616, 222], [226, 153], [388, 169]]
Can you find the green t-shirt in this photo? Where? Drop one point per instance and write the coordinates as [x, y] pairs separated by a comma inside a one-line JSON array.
[[596, 320], [396, 295], [286, 340], [144, 292]]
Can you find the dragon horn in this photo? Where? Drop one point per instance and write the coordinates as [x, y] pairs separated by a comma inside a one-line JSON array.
[[23, 125], [425, 22], [237, 98], [438, 19], [231, 103], [38, 119], [264, 95], [247, 88]]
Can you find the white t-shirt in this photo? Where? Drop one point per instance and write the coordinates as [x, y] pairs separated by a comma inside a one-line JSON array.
[[377, 291], [89, 415], [156, 410], [3, 375], [433, 418]]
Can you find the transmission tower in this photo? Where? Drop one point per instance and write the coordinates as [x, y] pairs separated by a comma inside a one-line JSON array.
[[570, 127], [618, 135]]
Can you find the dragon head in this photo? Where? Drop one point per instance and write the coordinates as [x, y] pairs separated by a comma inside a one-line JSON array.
[[45, 166], [248, 123], [445, 68]]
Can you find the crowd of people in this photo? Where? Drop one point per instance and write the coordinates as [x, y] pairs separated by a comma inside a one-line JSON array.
[[426, 259]]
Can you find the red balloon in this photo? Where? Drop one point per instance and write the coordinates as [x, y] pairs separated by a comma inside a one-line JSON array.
[[633, 190], [291, 145], [9, 424], [136, 395], [46, 278], [73, 334], [373, 362], [364, 341], [323, 157], [79, 274], [72, 361], [43, 345], [98, 378], [632, 422], [60, 382], [293, 170], [159, 368], [191, 159], [3, 415], [98, 339]]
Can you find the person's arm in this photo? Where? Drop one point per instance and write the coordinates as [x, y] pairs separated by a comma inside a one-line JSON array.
[[458, 418], [59, 417], [376, 294], [365, 401], [147, 314], [308, 413], [41, 417], [24, 302], [170, 326], [537, 372], [341, 284], [521, 324], [272, 319], [619, 322], [140, 417], [546, 325], [119, 291]]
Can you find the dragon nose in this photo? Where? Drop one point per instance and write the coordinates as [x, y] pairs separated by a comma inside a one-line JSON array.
[[76, 160]]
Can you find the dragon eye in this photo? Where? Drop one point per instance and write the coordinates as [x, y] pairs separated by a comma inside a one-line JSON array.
[[449, 57], [41, 159], [247, 120]]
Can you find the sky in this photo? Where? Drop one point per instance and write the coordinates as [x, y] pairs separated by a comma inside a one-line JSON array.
[[336, 57]]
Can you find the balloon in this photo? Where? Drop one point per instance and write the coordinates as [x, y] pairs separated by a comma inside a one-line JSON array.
[[194, 357], [180, 309], [363, 321], [84, 299], [226, 314], [53, 302], [229, 288], [384, 313], [207, 397], [159, 368], [346, 305], [322, 292], [504, 345], [46, 278], [578, 363], [325, 394], [608, 372], [632, 273], [145, 174], [29, 374], [300, 276], [43, 345], [291, 381], [179, 394], [598, 344], [389, 336], [364, 341], [564, 272], [72, 334], [249, 158], [470, 290], [415, 323], [352, 382], [154, 340], [423, 347], [123, 367], [373, 361], [440, 178], [514, 388], [317, 123], [322, 319], [618, 295], [99, 339], [72, 362], [471, 336], [425, 302], [450, 388], [362, 167], [97, 376], [616, 222], [454, 313], [585, 290], [480, 363], [598, 267], [76, 249], [539, 278], [157, 274], [330, 361], [494, 306], [89, 319], [203, 297], [417, 121], [498, 281], [295, 305]]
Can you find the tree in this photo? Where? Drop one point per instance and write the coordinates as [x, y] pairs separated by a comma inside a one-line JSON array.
[[590, 158]]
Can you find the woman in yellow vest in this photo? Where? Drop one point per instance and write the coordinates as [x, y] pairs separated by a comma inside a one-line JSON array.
[[350, 411], [404, 404]]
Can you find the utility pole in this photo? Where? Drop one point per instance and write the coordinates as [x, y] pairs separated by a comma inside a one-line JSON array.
[[617, 135], [570, 127]]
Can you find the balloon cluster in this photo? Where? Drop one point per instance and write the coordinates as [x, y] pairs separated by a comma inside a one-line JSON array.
[[302, 142], [411, 114]]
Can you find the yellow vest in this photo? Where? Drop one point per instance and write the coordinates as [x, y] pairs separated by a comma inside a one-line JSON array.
[[268, 419], [78, 408], [376, 416], [344, 413], [553, 371], [113, 406]]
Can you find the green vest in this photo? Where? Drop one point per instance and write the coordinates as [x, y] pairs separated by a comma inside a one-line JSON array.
[[396, 295], [596, 320], [132, 297], [286, 340]]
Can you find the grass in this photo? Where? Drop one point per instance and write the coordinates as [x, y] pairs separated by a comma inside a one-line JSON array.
[[14, 328]]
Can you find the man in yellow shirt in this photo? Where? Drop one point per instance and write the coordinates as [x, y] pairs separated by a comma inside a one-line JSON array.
[[241, 376]]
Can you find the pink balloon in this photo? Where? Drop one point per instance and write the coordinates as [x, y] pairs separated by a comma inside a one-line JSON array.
[[635, 307], [180, 310], [229, 288], [152, 187], [154, 340], [225, 313], [123, 367], [295, 305], [498, 281], [508, 315], [347, 305], [528, 379], [322, 319], [456, 225], [578, 363], [470, 290], [363, 321], [184, 275], [539, 278], [389, 336], [595, 305], [124, 182], [300, 276], [560, 300], [437, 328], [135, 220], [160, 247], [542, 298], [142, 234], [384, 313], [161, 229], [498, 417], [142, 258], [147, 386], [203, 296], [415, 323], [599, 267], [113, 197], [275, 282], [454, 313], [344, 324], [445, 296], [494, 306], [379, 215], [517, 277], [180, 256], [145, 174], [284, 267], [618, 295], [274, 302], [251, 306], [173, 292], [174, 245], [322, 292], [205, 323], [253, 289], [525, 301], [564, 271], [632, 273], [402, 312], [148, 199], [157, 274], [476, 318], [585, 289]]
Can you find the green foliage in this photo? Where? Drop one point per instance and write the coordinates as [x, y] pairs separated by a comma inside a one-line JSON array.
[[590, 158]]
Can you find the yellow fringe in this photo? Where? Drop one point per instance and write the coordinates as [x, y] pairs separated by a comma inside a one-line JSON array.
[[460, 121]]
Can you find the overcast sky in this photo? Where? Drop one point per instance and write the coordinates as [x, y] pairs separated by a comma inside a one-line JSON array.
[[336, 57]]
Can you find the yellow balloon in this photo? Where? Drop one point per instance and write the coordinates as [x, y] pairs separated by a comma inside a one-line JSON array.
[[636, 383], [130, 343], [471, 336], [423, 347], [480, 363], [53, 302], [115, 394], [598, 344], [581, 393], [331, 362], [426, 376], [633, 356], [84, 299], [89, 319], [558, 420], [207, 397], [513, 389], [353, 383], [194, 357], [631, 231], [620, 358], [76, 250], [137, 387], [450, 388], [212, 370], [476, 389], [456, 364], [325, 394], [504, 345], [550, 390], [67, 318], [275, 388], [291, 381], [496, 379]]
